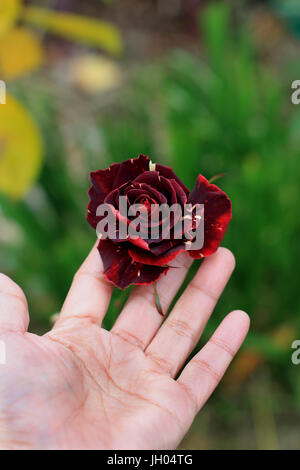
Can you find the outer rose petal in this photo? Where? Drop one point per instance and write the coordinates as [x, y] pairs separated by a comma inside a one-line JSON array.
[[217, 215], [168, 173], [105, 181], [130, 169], [122, 271], [140, 242], [181, 195], [149, 258], [162, 246]]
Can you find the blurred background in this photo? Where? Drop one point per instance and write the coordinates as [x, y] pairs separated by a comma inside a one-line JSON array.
[[202, 86]]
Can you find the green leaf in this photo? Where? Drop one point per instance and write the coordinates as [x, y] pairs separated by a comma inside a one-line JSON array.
[[216, 27], [157, 301]]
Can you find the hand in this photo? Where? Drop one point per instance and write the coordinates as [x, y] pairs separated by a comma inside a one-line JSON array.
[[83, 387]]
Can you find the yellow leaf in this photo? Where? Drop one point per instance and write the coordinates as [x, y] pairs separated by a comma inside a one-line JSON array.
[[20, 52], [9, 11], [77, 28], [20, 149]]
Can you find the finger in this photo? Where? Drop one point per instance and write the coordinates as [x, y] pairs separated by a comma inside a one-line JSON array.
[[14, 314], [181, 331], [89, 294], [203, 373], [140, 319]]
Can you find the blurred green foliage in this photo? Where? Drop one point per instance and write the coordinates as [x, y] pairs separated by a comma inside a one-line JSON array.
[[220, 111], [289, 10], [227, 113]]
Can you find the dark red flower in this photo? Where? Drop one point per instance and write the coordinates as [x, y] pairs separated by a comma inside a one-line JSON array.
[[142, 259]]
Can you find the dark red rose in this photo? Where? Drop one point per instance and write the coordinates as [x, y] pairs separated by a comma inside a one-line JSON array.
[[142, 259]]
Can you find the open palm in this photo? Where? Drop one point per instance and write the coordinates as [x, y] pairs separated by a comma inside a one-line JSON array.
[[83, 387]]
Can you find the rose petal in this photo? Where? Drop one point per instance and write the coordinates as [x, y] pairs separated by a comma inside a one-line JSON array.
[[122, 271], [151, 192], [181, 195], [162, 246], [168, 173], [113, 196], [139, 242], [105, 181], [163, 185], [130, 169], [217, 215], [149, 258]]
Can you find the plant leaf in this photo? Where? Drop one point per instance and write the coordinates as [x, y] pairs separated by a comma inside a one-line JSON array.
[[20, 149], [157, 300], [9, 11], [77, 28], [21, 52], [216, 177]]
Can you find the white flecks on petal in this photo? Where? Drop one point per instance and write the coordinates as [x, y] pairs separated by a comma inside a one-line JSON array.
[[152, 166]]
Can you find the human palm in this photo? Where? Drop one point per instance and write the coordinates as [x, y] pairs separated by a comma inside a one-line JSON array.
[[83, 387]]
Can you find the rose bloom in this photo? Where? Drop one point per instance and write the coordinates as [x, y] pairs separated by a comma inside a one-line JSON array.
[[142, 260]]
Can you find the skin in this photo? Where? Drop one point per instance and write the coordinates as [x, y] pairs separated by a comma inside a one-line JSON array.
[[82, 387]]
